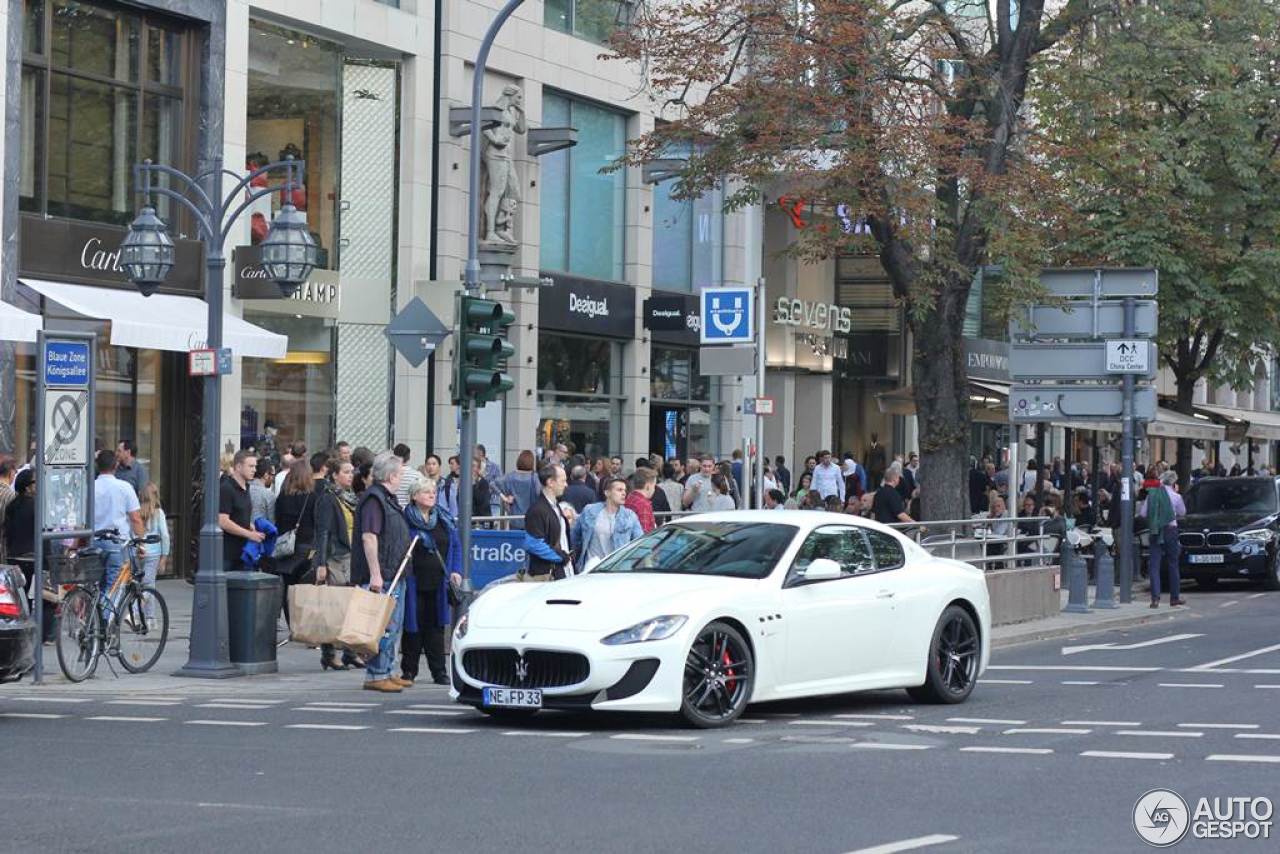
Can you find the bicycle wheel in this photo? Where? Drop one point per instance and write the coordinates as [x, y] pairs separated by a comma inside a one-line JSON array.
[[143, 624], [79, 643]]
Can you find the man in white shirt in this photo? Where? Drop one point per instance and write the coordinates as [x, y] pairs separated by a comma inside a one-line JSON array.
[[115, 508], [827, 478]]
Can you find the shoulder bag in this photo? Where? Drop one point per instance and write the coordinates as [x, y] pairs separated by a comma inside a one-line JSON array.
[[287, 542]]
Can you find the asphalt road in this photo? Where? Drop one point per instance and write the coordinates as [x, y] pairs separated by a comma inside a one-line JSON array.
[[1050, 754]]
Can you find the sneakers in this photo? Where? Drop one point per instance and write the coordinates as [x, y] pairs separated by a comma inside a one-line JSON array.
[[386, 686]]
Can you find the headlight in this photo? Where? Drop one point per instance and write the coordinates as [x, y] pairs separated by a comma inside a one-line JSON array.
[[1258, 535], [658, 628], [461, 631]]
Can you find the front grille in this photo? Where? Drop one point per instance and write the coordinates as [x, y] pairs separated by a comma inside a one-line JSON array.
[[1192, 540], [542, 668], [1221, 539]]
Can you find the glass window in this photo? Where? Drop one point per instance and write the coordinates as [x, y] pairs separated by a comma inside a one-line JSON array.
[[735, 549], [98, 40], [296, 394], [845, 545], [33, 25], [578, 365], [31, 184], [676, 375], [888, 551], [582, 209], [91, 150], [295, 99], [594, 20], [575, 401], [687, 236]]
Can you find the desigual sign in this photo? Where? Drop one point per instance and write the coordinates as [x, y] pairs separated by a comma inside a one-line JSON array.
[[813, 315], [587, 307]]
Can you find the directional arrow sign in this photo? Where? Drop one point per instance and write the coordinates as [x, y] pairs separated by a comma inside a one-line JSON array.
[[1128, 356], [416, 332], [1076, 321], [1072, 650], [1078, 361], [1115, 282], [1030, 404]]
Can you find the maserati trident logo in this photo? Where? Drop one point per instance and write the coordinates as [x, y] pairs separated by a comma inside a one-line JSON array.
[[522, 670]]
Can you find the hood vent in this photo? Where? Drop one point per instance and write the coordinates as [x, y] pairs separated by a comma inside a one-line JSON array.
[[564, 601]]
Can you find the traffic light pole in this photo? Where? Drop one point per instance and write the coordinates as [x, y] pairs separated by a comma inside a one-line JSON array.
[[466, 450]]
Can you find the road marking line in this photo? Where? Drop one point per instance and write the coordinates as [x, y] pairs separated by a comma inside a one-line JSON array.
[[1190, 685], [343, 727], [54, 699], [1046, 731], [439, 730], [227, 723], [1228, 604], [142, 703], [886, 745], [1102, 723], [907, 844], [986, 721], [445, 706], [738, 740], [545, 733], [778, 714], [175, 697], [123, 719], [878, 717], [1077, 682], [1257, 595], [1113, 647], [1007, 682], [347, 705], [438, 713], [1029, 750], [1266, 686], [35, 716], [1220, 726], [1115, 754], [943, 730], [832, 723], [248, 707], [1100, 668], [1212, 664], [1160, 733], [336, 711], [1260, 735], [642, 736], [243, 700], [1240, 757]]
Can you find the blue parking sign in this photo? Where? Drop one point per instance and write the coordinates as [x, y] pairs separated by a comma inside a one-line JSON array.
[[728, 315]]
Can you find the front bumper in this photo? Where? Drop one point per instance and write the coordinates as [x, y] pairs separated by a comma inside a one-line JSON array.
[[1241, 560], [643, 677]]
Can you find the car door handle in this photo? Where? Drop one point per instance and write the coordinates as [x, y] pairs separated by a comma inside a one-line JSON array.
[[885, 594]]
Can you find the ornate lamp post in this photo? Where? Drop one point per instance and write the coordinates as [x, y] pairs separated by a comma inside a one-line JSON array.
[[289, 255]]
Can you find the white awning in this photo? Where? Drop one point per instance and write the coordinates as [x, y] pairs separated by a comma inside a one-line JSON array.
[[1167, 424], [161, 321], [18, 325], [1259, 425]]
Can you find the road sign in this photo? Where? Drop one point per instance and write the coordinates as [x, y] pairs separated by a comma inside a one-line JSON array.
[[416, 332], [66, 363], [728, 316], [1076, 321], [1127, 356], [66, 433], [1076, 282], [1075, 361], [726, 361], [1029, 404], [202, 363], [757, 406]]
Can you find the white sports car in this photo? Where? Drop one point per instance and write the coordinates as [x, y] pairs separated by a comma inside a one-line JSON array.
[[715, 611]]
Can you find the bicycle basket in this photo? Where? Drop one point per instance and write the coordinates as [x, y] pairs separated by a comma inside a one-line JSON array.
[[85, 566]]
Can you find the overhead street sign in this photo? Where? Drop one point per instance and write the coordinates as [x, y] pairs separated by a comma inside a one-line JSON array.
[[728, 315], [1079, 282], [1077, 360], [66, 437], [1128, 356], [1029, 404], [416, 332], [1077, 321]]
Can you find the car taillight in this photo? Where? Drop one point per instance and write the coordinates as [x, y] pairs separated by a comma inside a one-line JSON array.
[[9, 605]]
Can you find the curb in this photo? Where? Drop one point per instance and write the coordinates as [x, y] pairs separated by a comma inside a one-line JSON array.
[[1050, 632]]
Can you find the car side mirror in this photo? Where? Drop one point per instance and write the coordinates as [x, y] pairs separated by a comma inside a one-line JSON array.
[[822, 569]]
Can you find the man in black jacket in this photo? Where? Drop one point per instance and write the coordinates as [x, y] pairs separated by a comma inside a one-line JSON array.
[[546, 522], [380, 541], [579, 493]]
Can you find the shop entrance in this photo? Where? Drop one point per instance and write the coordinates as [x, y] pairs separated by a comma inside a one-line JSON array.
[[669, 431]]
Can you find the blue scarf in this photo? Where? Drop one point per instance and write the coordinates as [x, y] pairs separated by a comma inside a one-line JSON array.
[[428, 523], [424, 525]]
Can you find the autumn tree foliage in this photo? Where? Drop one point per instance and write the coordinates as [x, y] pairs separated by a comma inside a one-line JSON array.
[[909, 113]]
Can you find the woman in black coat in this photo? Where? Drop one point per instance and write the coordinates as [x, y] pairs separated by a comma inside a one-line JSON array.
[[296, 511]]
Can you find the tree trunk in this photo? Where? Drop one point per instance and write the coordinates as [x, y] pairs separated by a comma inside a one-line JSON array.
[[1186, 386], [942, 406]]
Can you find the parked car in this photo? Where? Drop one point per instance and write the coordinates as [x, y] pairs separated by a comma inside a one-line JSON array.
[[1232, 531], [17, 627]]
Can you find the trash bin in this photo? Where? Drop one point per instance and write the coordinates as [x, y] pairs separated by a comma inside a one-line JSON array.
[[253, 603]]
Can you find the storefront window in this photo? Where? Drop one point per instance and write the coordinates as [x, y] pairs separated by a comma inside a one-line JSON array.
[[594, 20], [687, 236], [87, 106], [676, 375], [583, 214], [681, 414], [294, 395], [295, 98], [575, 376]]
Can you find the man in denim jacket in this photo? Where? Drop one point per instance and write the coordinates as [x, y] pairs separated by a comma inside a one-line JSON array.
[[605, 526]]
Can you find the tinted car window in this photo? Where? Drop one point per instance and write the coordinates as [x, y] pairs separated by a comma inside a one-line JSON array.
[[845, 545], [888, 551], [705, 548], [1232, 496]]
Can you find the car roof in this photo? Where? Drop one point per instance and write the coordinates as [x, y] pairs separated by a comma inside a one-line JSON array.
[[803, 519]]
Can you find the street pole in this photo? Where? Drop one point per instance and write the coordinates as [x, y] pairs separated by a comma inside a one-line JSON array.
[[471, 282], [1126, 467], [762, 328]]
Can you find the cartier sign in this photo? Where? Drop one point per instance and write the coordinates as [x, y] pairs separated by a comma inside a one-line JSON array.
[[64, 250]]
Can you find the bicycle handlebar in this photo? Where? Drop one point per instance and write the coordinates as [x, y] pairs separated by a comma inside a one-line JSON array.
[[112, 536]]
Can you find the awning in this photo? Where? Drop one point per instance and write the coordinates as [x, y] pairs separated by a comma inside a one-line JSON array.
[[18, 325], [1258, 425], [1167, 424], [161, 321], [985, 396]]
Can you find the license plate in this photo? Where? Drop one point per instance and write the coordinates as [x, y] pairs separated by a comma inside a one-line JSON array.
[[1206, 559], [521, 698]]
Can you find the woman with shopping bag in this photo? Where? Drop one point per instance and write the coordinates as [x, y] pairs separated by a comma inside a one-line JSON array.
[[335, 522], [437, 564]]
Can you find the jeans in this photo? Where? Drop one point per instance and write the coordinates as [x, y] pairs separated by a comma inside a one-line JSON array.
[[1165, 548], [379, 666], [150, 566], [114, 554]]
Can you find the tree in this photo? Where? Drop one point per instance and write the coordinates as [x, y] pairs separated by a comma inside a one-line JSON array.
[[908, 113], [1164, 120]]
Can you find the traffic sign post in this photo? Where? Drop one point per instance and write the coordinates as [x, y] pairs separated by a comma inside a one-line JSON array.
[[64, 454], [728, 315], [1130, 356]]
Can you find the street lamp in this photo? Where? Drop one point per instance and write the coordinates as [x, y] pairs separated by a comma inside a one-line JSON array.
[[289, 254]]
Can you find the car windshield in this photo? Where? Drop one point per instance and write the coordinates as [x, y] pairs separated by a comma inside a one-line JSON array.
[[736, 549], [1232, 496]]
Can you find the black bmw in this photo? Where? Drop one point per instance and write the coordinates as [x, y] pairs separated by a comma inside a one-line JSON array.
[[1232, 530]]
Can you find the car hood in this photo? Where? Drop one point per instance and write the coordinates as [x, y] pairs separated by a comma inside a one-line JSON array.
[[1199, 522], [599, 602]]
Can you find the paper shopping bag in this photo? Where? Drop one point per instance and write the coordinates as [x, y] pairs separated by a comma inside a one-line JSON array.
[[365, 620], [317, 612]]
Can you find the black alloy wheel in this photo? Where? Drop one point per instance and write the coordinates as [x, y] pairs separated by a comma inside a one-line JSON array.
[[718, 676], [954, 654]]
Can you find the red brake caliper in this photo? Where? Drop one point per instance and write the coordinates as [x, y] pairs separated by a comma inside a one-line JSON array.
[[730, 683]]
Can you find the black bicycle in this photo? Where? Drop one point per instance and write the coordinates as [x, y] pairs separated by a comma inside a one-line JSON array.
[[127, 620]]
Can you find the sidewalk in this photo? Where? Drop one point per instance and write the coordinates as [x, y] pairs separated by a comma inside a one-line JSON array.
[[1063, 624]]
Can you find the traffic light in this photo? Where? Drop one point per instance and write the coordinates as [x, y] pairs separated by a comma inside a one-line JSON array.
[[482, 350]]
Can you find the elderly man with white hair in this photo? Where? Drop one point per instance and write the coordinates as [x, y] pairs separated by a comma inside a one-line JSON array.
[[379, 542]]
